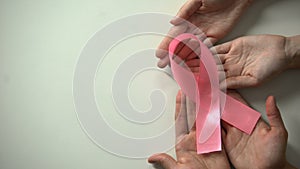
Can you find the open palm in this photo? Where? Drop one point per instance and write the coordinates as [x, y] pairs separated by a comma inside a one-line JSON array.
[[186, 153], [251, 60], [264, 148]]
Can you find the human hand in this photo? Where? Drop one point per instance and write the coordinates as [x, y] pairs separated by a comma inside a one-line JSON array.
[[186, 152], [251, 60], [215, 18], [265, 148]]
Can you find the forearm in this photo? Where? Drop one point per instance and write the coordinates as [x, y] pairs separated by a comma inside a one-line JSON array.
[[292, 50]]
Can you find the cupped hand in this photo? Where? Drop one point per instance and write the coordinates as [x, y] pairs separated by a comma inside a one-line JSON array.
[[214, 18], [265, 148], [251, 60], [186, 153]]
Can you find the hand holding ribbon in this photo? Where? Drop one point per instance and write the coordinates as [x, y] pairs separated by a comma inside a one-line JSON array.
[[211, 103]]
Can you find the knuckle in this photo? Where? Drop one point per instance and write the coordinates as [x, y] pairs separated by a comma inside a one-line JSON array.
[[183, 160]]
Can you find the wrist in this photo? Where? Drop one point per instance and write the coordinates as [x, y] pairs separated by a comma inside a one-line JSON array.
[[292, 51]]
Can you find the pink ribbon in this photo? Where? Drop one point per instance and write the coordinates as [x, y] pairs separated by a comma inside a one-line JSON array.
[[211, 103]]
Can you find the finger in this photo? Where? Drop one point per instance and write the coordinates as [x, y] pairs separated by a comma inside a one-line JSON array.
[[191, 56], [178, 104], [210, 41], [273, 114], [221, 58], [238, 82], [217, 59], [195, 70], [185, 12], [194, 54], [220, 68], [193, 63], [188, 48], [181, 126], [191, 114], [164, 160], [180, 46], [221, 73], [163, 62], [162, 49], [222, 48], [222, 76], [232, 70]]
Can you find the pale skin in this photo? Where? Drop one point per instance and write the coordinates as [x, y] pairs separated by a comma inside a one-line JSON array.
[[215, 18], [251, 60], [186, 154], [247, 61], [264, 148]]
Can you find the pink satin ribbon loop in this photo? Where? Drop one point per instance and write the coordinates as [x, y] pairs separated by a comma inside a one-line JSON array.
[[204, 90]]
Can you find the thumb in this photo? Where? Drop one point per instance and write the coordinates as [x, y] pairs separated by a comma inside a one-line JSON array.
[[273, 113], [186, 11], [164, 160]]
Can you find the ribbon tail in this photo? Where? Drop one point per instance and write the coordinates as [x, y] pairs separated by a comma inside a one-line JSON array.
[[239, 115]]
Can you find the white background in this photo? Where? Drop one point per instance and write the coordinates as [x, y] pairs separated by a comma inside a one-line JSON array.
[[40, 42]]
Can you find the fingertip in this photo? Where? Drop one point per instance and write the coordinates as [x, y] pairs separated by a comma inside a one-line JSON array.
[[155, 158], [161, 53], [178, 94], [273, 114], [270, 100], [152, 159], [271, 106], [163, 62], [163, 160], [176, 21]]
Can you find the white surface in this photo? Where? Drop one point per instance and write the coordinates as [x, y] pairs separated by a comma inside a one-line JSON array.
[[40, 44]]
